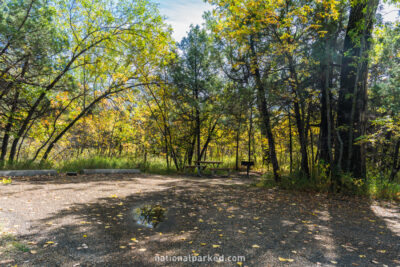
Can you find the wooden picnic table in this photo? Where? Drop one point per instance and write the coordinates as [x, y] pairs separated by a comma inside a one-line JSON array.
[[213, 164], [214, 167]]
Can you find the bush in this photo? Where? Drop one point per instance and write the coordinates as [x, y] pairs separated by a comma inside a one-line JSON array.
[[375, 186], [380, 186], [26, 165], [97, 163]]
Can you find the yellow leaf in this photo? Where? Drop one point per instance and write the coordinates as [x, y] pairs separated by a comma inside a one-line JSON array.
[[256, 246], [284, 260], [239, 263], [203, 244], [216, 246]]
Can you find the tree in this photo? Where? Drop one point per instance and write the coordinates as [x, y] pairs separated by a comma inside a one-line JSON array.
[[352, 103], [198, 85]]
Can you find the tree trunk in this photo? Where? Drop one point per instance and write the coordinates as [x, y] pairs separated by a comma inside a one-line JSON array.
[[299, 114], [265, 116], [72, 123], [325, 154], [290, 143], [395, 162], [352, 104], [9, 125], [237, 146]]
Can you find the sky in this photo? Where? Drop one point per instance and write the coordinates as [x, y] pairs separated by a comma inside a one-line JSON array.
[[181, 13]]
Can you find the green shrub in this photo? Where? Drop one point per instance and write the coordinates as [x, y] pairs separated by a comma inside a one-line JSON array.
[[25, 165], [97, 163]]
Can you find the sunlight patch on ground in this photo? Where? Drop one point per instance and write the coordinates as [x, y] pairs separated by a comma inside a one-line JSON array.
[[390, 216], [323, 235]]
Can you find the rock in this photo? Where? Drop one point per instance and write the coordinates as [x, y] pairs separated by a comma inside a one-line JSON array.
[[14, 173]]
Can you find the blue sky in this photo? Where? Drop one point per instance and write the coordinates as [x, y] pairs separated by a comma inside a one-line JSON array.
[[181, 13]]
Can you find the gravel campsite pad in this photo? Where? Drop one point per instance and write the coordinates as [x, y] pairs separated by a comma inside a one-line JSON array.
[[90, 221]]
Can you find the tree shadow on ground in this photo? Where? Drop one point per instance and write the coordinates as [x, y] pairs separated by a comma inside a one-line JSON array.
[[268, 227]]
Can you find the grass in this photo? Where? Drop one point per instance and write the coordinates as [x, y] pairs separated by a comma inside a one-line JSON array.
[[96, 163], [157, 166], [153, 165], [10, 245], [375, 187], [25, 165]]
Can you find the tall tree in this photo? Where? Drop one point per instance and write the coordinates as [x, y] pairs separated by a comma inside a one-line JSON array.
[[352, 103]]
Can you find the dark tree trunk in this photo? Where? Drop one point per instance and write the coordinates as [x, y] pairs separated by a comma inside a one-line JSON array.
[[209, 138], [395, 162], [237, 147], [8, 127], [191, 149], [325, 152], [198, 135], [290, 143], [266, 128], [299, 116], [352, 104], [72, 123], [10, 121]]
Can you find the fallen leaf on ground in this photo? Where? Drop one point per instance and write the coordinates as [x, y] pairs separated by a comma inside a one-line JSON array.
[[286, 260]]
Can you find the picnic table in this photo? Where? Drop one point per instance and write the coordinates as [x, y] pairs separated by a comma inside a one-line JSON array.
[[213, 166]]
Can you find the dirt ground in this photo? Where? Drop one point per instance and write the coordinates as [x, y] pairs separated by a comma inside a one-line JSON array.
[[88, 221]]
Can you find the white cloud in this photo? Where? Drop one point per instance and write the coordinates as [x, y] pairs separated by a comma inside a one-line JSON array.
[[181, 13], [389, 12]]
